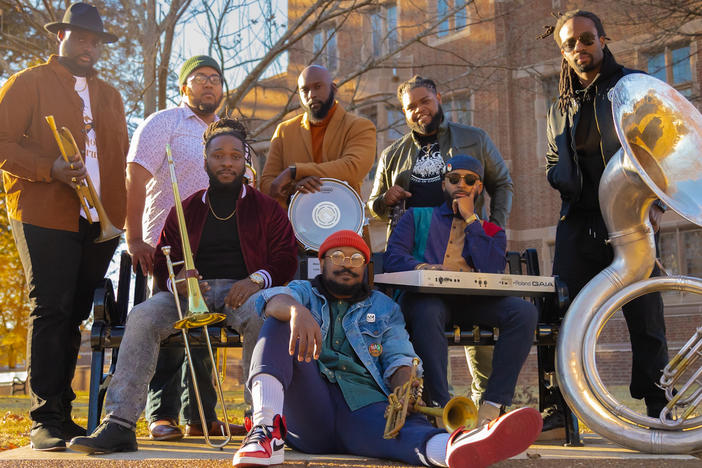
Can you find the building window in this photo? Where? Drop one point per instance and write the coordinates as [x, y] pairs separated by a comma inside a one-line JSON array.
[[455, 13], [384, 31], [459, 109], [397, 126], [673, 66], [325, 41], [546, 94], [680, 252]]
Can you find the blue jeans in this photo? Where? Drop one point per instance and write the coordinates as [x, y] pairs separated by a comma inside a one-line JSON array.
[[428, 316], [318, 418], [151, 322]]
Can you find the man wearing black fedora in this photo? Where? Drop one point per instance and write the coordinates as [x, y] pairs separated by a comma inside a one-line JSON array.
[[55, 241]]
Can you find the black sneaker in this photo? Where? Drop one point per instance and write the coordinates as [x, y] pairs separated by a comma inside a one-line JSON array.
[[70, 430], [47, 438], [108, 437]]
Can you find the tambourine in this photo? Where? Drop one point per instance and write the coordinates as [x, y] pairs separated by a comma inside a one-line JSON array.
[[315, 216]]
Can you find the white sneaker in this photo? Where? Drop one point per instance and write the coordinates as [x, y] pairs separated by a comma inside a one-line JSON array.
[[263, 445], [502, 438]]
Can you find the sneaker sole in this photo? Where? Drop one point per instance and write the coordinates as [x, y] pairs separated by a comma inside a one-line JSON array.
[[511, 435], [277, 459], [97, 451]]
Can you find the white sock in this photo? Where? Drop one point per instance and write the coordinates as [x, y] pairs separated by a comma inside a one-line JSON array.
[[267, 397], [436, 449]]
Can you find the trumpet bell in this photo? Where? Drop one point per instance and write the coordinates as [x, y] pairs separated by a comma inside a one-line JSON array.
[[108, 231], [198, 319], [458, 412]]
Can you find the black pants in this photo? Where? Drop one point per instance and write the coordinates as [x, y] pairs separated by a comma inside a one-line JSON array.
[[62, 269], [581, 253]]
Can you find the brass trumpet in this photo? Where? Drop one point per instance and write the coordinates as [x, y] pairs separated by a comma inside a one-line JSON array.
[[198, 313], [458, 412], [87, 195]]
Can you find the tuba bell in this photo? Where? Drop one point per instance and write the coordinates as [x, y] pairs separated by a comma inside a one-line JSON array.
[[661, 136]]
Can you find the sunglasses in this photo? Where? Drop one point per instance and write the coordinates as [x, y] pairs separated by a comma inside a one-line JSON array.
[[587, 38], [469, 179], [339, 259]]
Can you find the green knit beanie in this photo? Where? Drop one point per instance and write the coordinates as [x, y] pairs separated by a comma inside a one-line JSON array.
[[193, 63]]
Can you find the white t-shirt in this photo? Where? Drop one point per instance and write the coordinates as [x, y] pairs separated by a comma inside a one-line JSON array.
[[90, 156]]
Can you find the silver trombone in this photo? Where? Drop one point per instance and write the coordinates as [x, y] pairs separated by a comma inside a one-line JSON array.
[[198, 313]]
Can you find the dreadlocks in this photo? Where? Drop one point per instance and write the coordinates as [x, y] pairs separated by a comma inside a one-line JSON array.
[[227, 126], [566, 88]]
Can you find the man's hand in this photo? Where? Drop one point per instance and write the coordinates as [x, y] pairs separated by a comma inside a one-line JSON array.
[[68, 172], [309, 184], [395, 195], [305, 331], [463, 206], [240, 292], [142, 254], [283, 185], [430, 266], [654, 215], [182, 286]]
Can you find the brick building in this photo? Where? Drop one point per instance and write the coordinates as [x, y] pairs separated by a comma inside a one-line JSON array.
[[494, 73]]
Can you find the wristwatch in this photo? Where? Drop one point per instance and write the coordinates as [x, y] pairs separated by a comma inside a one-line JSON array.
[[472, 218], [258, 278], [293, 171]]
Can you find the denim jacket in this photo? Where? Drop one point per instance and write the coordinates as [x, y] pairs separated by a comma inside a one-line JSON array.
[[374, 321]]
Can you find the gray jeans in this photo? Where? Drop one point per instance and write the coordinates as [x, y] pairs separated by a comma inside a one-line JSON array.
[[151, 322]]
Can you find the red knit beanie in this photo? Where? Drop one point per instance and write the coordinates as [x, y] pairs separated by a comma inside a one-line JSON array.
[[345, 238]]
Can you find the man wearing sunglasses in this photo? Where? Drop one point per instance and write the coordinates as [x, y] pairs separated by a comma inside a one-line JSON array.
[[329, 353], [453, 237], [582, 139], [149, 199]]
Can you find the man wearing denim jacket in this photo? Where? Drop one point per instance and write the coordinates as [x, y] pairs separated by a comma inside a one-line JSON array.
[[336, 405]]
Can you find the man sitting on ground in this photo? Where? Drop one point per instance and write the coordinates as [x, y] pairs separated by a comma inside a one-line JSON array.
[[328, 355]]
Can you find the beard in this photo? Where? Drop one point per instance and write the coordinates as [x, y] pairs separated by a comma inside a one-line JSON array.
[[431, 127], [205, 108], [340, 289], [448, 198], [324, 110], [233, 186], [586, 67]]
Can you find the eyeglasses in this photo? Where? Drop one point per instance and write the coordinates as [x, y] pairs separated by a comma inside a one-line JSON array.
[[469, 179], [338, 258], [587, 38], [201, 79]]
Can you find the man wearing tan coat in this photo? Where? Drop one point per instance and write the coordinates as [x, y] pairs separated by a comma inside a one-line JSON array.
[[325, 141]]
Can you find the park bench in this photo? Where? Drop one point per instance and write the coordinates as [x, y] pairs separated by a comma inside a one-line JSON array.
[[16, 380], [110, 313]]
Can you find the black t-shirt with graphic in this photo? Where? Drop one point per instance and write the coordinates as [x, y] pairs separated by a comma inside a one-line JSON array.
[[425, 181]]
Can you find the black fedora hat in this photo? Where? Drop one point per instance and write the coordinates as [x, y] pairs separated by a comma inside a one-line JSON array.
[[82, 16]]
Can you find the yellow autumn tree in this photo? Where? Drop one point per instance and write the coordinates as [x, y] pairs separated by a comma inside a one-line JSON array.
[[14, 306]]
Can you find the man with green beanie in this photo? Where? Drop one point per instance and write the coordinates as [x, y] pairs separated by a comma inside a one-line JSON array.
[[149, 199]]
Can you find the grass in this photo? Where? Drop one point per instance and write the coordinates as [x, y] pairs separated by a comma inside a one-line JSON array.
[[15, 423]]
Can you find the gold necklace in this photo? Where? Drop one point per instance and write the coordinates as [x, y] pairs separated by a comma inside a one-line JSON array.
[[209, 205]]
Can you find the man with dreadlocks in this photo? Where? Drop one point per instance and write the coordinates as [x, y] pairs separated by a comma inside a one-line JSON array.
[[242, 243], [581, 140]]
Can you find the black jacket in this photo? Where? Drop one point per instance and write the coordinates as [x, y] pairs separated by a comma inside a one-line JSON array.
[[562, 169]]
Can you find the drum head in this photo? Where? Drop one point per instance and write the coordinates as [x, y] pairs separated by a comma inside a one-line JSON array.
[[315, 216]]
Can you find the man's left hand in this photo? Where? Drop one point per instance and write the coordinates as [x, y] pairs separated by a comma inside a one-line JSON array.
[[309, 184], [240, 292], [463, 206], [654, 215]]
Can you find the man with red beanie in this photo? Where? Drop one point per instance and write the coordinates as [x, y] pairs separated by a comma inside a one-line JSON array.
[[328, 355]]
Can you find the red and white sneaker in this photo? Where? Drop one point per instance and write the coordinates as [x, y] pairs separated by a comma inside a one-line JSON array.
[[263, 445], [502, 438]]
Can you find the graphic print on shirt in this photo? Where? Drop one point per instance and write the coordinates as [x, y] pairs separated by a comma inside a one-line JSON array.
[[429, 165], [90, 156]]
